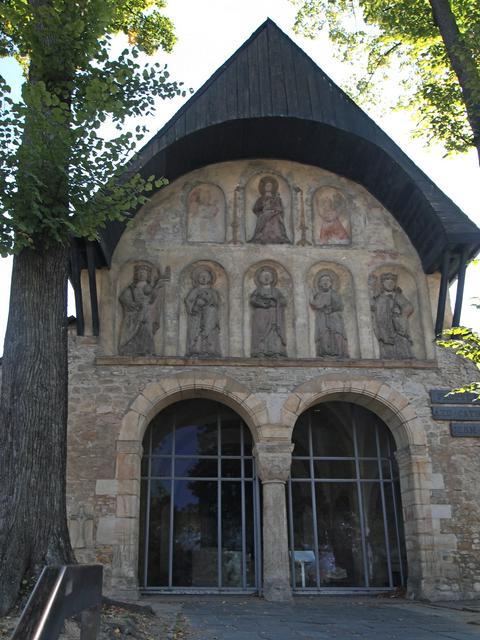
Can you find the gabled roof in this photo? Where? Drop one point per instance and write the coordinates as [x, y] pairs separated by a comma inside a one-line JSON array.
[[270, 100]]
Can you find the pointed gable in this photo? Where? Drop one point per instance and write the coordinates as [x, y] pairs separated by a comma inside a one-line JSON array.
[[270, 100]]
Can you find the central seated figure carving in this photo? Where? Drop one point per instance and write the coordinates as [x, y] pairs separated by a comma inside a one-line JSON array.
[[270, 227]]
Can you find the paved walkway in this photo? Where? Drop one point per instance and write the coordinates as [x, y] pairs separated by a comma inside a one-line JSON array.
[[339, 618]]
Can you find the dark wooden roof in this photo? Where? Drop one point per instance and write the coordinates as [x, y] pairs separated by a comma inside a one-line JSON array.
[[270, 100]]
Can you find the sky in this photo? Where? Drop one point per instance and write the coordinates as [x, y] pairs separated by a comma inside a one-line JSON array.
[[208, 33]]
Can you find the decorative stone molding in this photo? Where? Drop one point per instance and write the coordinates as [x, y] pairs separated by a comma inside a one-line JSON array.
[[390, 405], [273, 461], [193, 384]]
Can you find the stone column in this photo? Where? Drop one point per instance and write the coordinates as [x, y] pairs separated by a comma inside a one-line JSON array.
[[416, 483], [273, 465]]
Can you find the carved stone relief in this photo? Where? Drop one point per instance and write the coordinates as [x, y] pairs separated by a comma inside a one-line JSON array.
[[391, 311], [203, 315], [270, 214], [269, 338], [206, 214], [142, 307], [332, 312], [327, 303], [81, 528], [331, 217]]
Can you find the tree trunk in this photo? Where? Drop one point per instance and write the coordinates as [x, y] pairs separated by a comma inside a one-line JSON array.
[[33, 418], [462, 62]]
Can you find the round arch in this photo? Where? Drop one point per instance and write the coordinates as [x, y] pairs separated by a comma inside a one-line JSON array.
[[156, 396], [412, 457], [390, 405]]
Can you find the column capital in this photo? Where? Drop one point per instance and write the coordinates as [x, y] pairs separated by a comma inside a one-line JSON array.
[[273, 461]]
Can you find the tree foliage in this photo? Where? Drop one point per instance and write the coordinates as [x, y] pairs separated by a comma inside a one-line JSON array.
[[60, 177], [428, 48], [55, 136]]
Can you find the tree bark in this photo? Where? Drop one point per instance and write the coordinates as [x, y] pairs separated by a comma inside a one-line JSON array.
[[462, 63], [33, 418]]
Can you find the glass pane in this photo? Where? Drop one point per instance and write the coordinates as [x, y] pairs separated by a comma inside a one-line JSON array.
[[196, 467], [300, 436], [248, 468], [144, 467], [231, 534], [386, 470], [334, 469], [369, 469], [396, 557], [196, 428], [366, 424], [195, 534], [332, 430], [161, 428], [339, 535], [142, 523], [375, 535], [231, 437], [158, 533], [303, 536], [247, 441], [250, 533], [300, 468], [161, 467], [231, 468]]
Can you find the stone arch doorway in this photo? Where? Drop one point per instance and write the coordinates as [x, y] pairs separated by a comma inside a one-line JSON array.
[[199, 501], [344, 509]]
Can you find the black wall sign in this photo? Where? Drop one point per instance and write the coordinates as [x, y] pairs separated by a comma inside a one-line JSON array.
[[439, 396], [465, 429], [456, 413]]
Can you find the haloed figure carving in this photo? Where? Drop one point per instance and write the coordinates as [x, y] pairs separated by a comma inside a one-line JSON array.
[[140, 302], [270, 227], [268, 316], [203, 322], [391, 311], [330, 337]]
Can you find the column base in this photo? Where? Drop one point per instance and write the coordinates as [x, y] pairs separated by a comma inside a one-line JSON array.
[[277, 593]]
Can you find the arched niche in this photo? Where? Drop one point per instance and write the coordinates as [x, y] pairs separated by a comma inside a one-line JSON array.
[[343, 294], [282, 291], [140, 304], [331, 212], [205, 212], [279, 230], [203, 327], [396, 314]]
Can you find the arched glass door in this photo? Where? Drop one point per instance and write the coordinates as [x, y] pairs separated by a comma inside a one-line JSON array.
[[345, 518], [199, 501]]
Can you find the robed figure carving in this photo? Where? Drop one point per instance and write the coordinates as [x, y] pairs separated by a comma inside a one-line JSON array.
[[203, 310], [270, 227], [330, 336], [391, 311], [268, 316], [141, 303]]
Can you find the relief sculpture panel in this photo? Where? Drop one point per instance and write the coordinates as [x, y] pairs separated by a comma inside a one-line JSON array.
[[142, 303], [391, 312], [268, 211], [206, 211], [332, 312], [269, 339], [268, 320], [327, 303], [331, 217], [203, 315], [203, 311]]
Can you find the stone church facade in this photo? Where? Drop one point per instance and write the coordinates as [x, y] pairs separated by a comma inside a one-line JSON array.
[[252, 373]]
